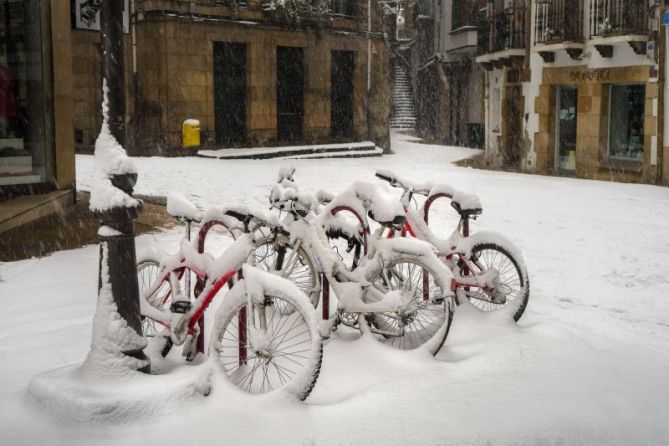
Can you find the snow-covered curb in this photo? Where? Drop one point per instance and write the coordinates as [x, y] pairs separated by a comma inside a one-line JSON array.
[[64, 393]]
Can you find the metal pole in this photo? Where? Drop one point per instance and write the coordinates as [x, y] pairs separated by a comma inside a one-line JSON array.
[[111, 27], [122, 262], [120, 242]]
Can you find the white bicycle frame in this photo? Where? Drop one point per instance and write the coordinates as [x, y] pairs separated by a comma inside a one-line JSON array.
[[354, 292]]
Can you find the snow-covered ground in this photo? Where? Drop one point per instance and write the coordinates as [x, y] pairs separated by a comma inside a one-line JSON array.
[[587, 364]]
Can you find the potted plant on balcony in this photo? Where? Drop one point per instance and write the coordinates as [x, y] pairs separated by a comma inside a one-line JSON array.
[[292, 12], [607, 26], [549, 34]]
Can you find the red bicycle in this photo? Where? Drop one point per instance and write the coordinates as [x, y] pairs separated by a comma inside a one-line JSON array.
[[265, 334], [493, 262]]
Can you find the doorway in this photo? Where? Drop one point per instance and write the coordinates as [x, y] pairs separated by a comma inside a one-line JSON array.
[[230, 92], [565, 132], [513, 116], [341, 95], [289, 93]]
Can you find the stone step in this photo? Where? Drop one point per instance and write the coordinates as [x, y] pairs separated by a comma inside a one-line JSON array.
[[352, 149]]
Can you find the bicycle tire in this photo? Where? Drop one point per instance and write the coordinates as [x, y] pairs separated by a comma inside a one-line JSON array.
[[433, 312], [225, 345], [512, 274], [148, 269]]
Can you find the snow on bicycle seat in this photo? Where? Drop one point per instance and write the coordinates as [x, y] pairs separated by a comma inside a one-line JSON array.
[[380, 207], [179, 206], [466, 204]]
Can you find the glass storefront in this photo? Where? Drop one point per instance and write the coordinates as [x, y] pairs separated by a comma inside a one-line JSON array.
[[626, 119], [23, 155]]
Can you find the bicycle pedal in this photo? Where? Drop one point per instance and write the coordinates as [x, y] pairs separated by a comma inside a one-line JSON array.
[[180, 306], [167, 346], [189, 350]]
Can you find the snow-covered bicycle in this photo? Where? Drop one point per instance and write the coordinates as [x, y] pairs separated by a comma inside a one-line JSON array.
[[494, 262], [266, 335], [398, 290]]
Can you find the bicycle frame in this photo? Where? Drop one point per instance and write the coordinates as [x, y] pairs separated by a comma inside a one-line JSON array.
[[448, 248], [374, 299], [210, 288]]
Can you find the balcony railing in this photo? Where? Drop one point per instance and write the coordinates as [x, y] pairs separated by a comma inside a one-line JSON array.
[[618, 17], [503, 28], [558, 21]]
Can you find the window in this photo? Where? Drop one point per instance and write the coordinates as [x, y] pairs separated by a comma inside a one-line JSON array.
[[464, 13], [342, 7], [626, 120]]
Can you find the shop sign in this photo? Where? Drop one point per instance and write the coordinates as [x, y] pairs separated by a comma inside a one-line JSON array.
[[590, 76], [87, 14]]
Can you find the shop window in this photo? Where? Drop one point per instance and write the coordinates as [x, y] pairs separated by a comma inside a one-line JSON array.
[[626, 120], [22, 131]]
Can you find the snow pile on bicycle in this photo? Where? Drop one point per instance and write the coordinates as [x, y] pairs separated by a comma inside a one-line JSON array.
[[396, 281]]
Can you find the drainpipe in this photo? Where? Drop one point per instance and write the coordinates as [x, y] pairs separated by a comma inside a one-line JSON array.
[[369, 45], [369, 69], [133, 35], [665, 111]]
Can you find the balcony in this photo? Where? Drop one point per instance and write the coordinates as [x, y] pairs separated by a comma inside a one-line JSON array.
[[558, 24], [618, 17], [613, 21], [502, 33]]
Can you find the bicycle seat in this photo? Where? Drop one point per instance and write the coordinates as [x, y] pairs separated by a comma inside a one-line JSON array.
[[180, 207], [396, 222], [245, 216], [466, 205]]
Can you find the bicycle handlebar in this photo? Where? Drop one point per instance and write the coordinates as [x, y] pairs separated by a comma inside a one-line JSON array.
[[246, 218], [401, 183]]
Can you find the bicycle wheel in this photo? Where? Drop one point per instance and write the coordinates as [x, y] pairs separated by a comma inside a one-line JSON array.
[[513, 281], [427, 313], [148, 271], [287, 354], [302, 272]]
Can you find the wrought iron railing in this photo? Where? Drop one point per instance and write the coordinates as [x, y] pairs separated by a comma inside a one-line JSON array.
[[505, 28], [558, 21], [619, 17]]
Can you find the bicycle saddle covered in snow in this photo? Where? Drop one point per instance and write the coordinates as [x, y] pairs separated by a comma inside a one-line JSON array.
[[180, 207], [466, 204]]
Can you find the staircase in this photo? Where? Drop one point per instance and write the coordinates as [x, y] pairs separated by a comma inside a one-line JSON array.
[[404, 114]]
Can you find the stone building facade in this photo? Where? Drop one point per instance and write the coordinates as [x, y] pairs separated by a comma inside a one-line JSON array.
[[575, 87], [251, 73]]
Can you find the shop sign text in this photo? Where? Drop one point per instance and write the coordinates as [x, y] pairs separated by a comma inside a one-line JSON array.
[[590, 76]]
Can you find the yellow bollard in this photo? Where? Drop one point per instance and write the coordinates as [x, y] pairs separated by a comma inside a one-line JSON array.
[[190, 132]]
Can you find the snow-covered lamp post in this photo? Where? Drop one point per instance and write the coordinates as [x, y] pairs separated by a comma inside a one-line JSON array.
[[117, 334]]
